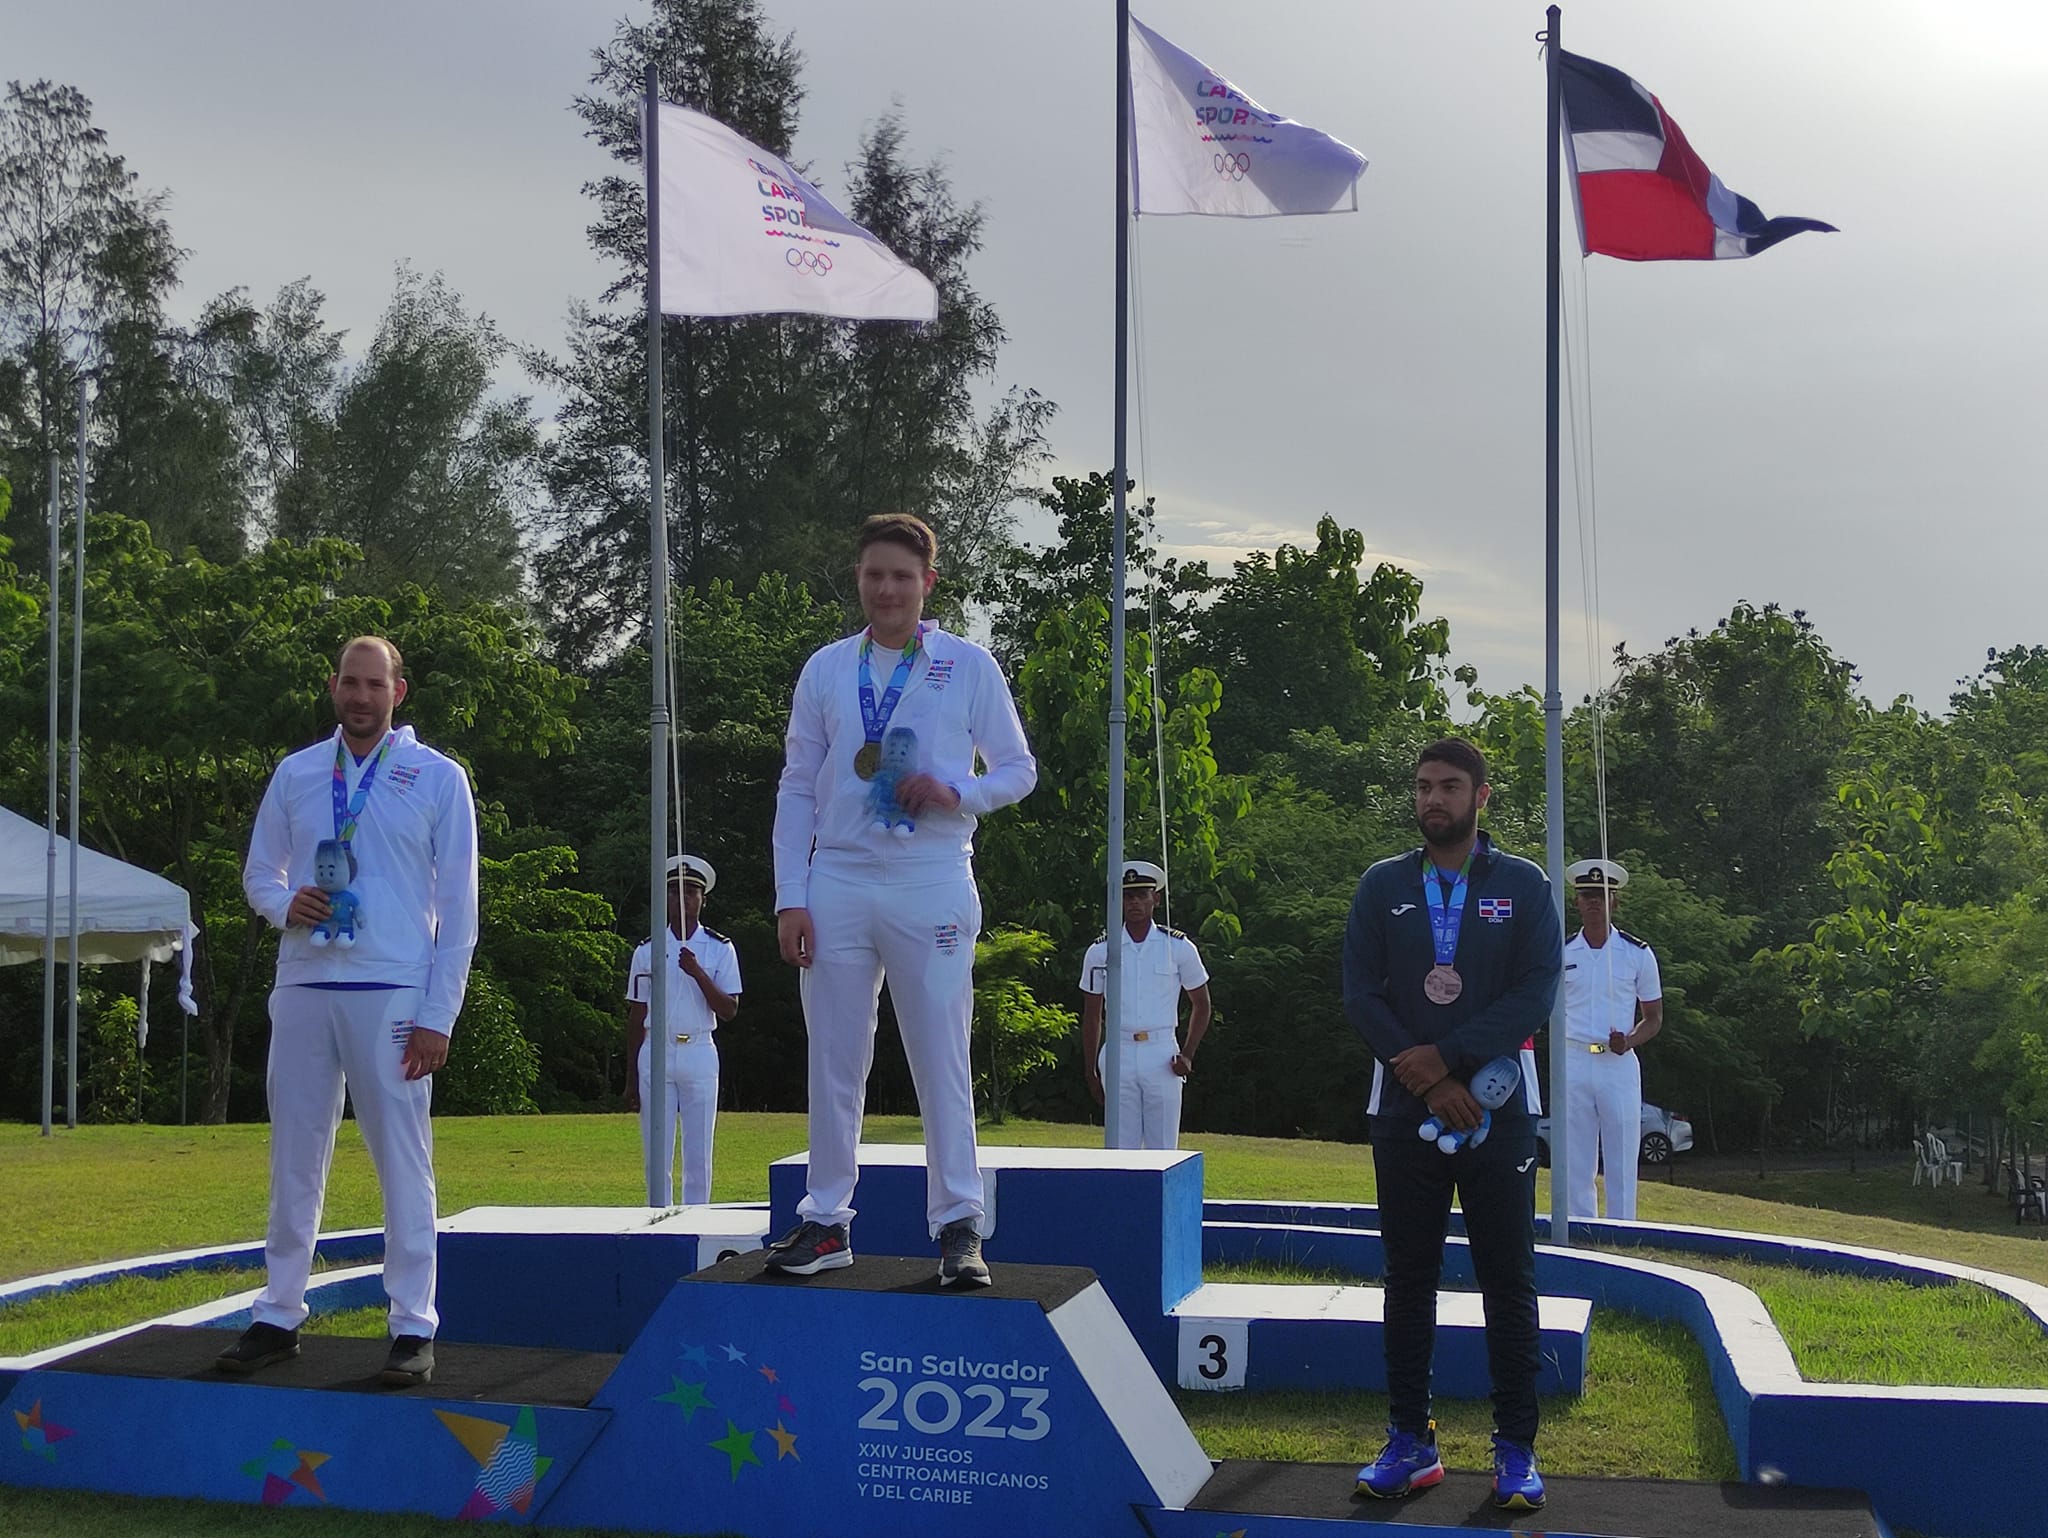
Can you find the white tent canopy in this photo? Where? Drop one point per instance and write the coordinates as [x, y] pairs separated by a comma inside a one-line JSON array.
[[125, 913]]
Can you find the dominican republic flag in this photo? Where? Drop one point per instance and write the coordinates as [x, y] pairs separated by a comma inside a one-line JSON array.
[[1644, 196]]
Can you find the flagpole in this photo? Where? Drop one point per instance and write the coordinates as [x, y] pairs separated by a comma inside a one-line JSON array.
[[1553, 696], [50, 860], [1112, 999], [656, 1147], [77, 673]]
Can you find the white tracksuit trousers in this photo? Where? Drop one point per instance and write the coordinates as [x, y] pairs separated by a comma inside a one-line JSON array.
[[324, 1042], [1606, 1106], [1148, 1092], [920, 933], [693, 1113]]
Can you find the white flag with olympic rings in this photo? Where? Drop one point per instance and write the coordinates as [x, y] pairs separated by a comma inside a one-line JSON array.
[[1199, 145], [743, 234]]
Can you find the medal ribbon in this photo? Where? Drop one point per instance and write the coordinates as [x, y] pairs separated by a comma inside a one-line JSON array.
[[874, 719], [1446, 916], [347, 809]]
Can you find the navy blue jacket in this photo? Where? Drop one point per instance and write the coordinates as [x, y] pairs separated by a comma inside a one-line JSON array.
[[1510, 955]]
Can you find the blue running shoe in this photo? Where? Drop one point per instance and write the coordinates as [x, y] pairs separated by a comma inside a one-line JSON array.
[[1408, 1463], [1516, 1484]]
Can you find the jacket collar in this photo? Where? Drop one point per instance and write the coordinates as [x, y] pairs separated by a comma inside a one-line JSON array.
[[1483, 856]]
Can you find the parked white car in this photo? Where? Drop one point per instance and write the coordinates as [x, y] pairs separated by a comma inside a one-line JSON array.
[[1663, 1135]]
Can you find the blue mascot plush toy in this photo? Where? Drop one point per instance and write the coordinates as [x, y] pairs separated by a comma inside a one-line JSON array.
[[899, 761], [1491, 1087], [334, 867]]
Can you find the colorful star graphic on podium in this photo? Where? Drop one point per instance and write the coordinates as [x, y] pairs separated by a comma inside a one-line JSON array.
[[785, 1404], [285, 1468], [785, 1443], [737, 1445], [687, 1397], [768, 1373], [734, 1354], [696, 1356], [40, 1436], [509, 1464]]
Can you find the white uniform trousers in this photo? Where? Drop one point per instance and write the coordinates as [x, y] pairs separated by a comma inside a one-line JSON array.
[[920, 933], [1148, 1091], [323, 1042], [1605, 1099], [692, 1112]]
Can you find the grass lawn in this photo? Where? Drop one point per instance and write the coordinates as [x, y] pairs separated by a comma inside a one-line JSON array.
[[1962, 1335]]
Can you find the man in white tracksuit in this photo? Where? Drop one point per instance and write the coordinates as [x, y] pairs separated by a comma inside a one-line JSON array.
[[369, 982], [874, 876], [1158, 966], [703, 992], [1614, 1002]]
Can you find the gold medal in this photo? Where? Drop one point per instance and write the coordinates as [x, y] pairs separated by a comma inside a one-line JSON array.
[[1442, 985], [868, 761]]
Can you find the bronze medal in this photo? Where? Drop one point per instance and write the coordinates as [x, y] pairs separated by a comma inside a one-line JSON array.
[[868, 761], [1442, 985]]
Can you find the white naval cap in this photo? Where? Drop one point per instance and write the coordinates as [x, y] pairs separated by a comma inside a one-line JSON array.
[[692, 870], [1143, 873], [1596, 873]]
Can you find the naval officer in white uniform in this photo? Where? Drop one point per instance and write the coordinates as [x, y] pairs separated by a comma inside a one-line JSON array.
[[1614, 1002], [703, 993], [1158, 966]]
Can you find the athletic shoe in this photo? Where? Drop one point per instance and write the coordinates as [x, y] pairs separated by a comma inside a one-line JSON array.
[[411, 1361], [261, 1345], [1406, 1464], [960, 1256], [1516, 1484], [812, 1248]]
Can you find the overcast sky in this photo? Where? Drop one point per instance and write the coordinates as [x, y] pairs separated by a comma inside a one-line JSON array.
[[1851, 423]]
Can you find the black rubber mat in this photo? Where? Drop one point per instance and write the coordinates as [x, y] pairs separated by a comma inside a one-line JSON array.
[[1623, 1508], [1047, 1286], [350, 1364]]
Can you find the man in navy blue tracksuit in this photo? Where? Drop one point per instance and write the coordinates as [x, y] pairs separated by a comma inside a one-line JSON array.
[[1451, 959]]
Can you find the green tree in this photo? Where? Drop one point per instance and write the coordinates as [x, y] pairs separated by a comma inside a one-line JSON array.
[[1015, 1037], [200, 677], [416, 463], [1722, 752], [550, 952], [81, 245], [1301, 642]]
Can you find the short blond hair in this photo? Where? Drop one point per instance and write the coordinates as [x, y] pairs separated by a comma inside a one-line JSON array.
[[392, 656]]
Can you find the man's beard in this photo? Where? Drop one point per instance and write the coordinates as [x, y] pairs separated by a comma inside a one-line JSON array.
[[1456, 831]]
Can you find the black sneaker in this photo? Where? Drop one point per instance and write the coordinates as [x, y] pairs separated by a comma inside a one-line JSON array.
[[960, 1256], [261, 1346], [811, 1248], [411, 1362]]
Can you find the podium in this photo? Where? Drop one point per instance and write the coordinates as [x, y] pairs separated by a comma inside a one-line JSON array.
[[636, 1369]]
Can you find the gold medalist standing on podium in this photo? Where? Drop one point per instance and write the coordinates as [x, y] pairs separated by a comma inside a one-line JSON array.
[[859, 896], [371, 1018]]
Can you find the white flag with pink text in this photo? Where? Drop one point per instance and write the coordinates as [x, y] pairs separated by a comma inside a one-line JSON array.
[[1199, 145], [743, 234]]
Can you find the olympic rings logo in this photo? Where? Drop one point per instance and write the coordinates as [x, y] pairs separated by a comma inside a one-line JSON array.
[[808, 261], [1237, 167]]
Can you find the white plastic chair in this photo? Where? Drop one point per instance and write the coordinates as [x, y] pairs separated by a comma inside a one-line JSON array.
[[1930, 1158]]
